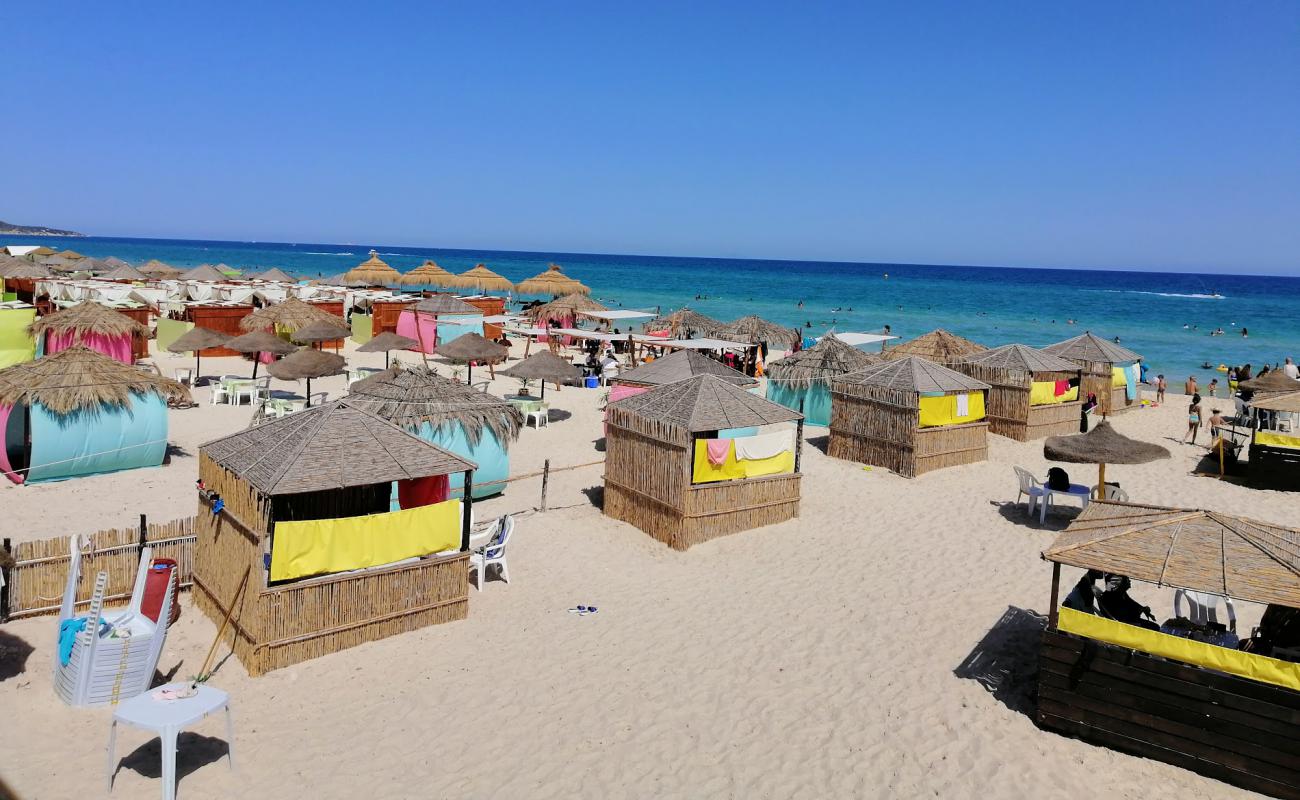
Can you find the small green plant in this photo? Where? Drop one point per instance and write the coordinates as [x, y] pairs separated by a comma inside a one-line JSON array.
[[457, 373], [525, 385]]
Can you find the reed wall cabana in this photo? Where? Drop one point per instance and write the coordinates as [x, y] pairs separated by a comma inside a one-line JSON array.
[[685, 462], [908, 415], [1109, 371], [1204, 697], [1033, 394], [674, 367], [802, 380], [1274, 446], [437, 320], [296, 540]]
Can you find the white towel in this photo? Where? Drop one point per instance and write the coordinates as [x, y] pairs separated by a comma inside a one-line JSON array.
[[963, 405], [765, 445]]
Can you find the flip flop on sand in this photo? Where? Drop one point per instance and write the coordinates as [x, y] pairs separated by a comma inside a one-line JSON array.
[[583, 611]]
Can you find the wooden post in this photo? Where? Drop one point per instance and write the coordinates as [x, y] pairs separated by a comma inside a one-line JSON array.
[[1056, 591], [798, 446], [546, 479], [4, 590], [144, 537], [1101, 481], [467, 502]]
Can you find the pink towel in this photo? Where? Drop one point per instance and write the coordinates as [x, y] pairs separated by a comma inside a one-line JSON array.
[[719, 449]]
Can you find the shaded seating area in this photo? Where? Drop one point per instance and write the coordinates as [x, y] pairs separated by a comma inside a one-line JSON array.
[[701, 458], [1032, 394], [908, 415], [1189, 690], [802, 380], [1101, 446], [296, 539], [1109, 371]]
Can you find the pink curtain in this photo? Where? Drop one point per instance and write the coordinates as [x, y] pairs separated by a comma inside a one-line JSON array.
[[618, 391], [5, 466], [417, 492], [115, 347], [565, 322], [424, 329]]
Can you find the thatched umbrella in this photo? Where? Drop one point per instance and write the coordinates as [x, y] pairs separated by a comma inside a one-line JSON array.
[[322, 331], [87, 317], [757, 330], [1101, 446], [90, 266], [1289, 401], [825, 360], [565, 307], [160, 271], [204, 272], [1273, 382], [409, 396], [114, 262], [79, 378], [197, 340], [56, 264], [256, 343], [553, 282], [482, 279], [71, 255], [428, 274], [544, 366], [374, 272], [471, 347], [387, 341], [290, 314], [126, 272], [686, 321], [308, 364], [938, 346], [26, 269], [273, 274]]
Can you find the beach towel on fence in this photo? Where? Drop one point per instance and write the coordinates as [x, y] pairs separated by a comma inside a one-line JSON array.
[[764, 445], [731, 469], [942, 410], [324, 546], [718, 450]]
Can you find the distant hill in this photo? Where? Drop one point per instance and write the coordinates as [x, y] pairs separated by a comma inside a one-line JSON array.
[[34, 230]]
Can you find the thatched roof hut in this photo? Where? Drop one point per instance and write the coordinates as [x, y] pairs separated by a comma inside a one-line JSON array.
[[26, 269], [273, 274], [291, 314], [1087, 346], [679, 366], [802, 380], [1104, 364], [685, 322], [204, 272], [563, 310], [1034, 394], [125, 272], [757, 330], [481, 279], [88, 323], [660, 476], [374, 271], [410, 396], [909, 415], [114, 262], [428, 274], [553, 282], [939, 346], [80, 379], [160, 271]]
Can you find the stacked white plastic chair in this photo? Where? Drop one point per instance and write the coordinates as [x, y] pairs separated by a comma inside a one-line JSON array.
[[106, 668]]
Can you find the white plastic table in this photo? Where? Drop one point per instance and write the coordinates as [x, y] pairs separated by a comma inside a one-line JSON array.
[[1075, 490], [168, 718]]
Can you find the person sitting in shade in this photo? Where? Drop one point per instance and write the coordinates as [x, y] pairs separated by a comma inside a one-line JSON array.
[[1083, 597], [1114, 603]]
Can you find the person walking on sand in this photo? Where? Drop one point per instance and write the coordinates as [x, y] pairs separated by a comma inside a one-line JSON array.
[[1193, 419], [1161, 386], [1189, 388], [1216, 422]]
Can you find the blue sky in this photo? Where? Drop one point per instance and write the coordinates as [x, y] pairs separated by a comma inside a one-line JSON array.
[[1121, 135]]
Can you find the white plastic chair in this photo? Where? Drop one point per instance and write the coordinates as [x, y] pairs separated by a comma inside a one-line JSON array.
[[259, 388], [219, 393], [1112, 493], [185, 375], [1030, 486], [1202, 608], [494, 552], [540, 414], [608, 374]]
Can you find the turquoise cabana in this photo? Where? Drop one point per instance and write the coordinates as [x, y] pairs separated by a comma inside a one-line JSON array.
[[802, 380], [79, 412], [472, 424]]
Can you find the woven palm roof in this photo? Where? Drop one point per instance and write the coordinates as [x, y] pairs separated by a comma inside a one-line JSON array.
[[125, 272], [157, 269], [388, 341], [204, 272], [681, 365], [322, 331], [409, 396], [1274, 381], [1022, 358], [912, 374], [472, 347], [260, 342], [55, 263], [81, 379], [374, 271], [1090, 347], [938, 345], [273, 274], [553, 282], [563, 308], [1101, 445], [445, 304], [114, 261], [482, 279], [754, 328], [332, 446], [687, 321], [825, 360], [26, 269], [307, 363], [1279, 402], [88, 265], [198, 338], [1204, 551], [290, 314], [705, 403], [71, 255], [428, 274], [543, 365], [87, 317]]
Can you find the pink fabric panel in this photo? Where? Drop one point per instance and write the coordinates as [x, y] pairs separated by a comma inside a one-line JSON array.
[[5, 466], [426, 332], [265, 358], [565, 322], [618, 391], [115, 347]]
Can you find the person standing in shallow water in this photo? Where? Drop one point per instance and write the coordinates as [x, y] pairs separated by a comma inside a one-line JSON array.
[[1189, 388]]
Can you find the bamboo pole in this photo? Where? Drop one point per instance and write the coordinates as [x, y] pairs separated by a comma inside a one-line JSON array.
[[203, 672]]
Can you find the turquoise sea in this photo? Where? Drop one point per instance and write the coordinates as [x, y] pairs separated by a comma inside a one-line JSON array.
[[1167, 317]]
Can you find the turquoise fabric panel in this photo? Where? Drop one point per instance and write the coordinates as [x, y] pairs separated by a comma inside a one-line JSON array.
[[106, 441], [813, 402], [492, 459], [465, 323], [737, 433]]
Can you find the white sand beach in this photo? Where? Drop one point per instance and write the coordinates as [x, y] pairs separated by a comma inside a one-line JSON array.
[[821, 657]]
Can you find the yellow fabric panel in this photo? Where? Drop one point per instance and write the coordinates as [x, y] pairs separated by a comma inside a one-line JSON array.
[[1043, 393], [1273, 439], [16, 346], [1117, 377], [323, 546], [936, 411], [1235, 662], [704, 471]]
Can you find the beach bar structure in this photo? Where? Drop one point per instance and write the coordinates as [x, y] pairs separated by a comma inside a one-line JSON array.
[[1275, 440], [686, 462], [1189, 694], [1109, 371], [297, 545], [1033, 394], [909, 415], [802, 380]]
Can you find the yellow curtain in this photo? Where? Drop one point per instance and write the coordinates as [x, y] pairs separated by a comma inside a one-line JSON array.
[[1277, 439], [936, 411], [16, 346], [1117, 378], [1235, 662], [705, 471], [1043, 393], [323, 546]]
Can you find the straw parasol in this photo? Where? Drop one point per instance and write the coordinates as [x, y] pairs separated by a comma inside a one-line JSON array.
[[1272, 382], [428, 274], [938, 345], [471, 347], [204, 272], [706, 403], [290, 314], [71, 255], [1087, 346], [686, 321], [80, 379], [257, 342], [307, 364], [125, 272], [825, 360], [26, 269], [87, 317], [1289, 401], [1101, 446], [157, 269], [387, 341], [322, 331], [565, 307], [1198, 550], [114, 261], [273, 274], [553, 282], [544, 366], [757, 330], [410, 396], [373, 271], [682, 365], [197, 340], [482, 279]]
